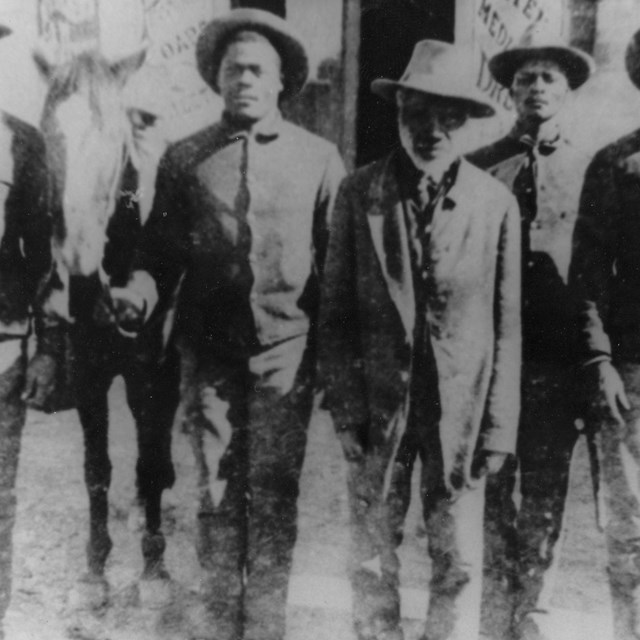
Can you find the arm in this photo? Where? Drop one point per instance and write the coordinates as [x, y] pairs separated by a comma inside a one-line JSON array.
[[503, 406], [160, 256], [590, 279], [340, 360], [334, 174]]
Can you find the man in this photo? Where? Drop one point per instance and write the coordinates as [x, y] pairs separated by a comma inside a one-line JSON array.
[[241, 215], [604, 271], [420, 345], [25, 258], [545, 172]]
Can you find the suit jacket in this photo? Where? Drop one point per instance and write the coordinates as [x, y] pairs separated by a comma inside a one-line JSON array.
[[368, 312], [25, 229], [605, 268], [547, 313]]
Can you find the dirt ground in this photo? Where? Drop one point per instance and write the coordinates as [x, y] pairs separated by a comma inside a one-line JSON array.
[[51, 532]]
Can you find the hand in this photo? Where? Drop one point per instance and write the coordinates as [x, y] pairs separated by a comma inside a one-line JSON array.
[[488, 463], [610, 391], [41, 382], [129, 309], [351, 442]]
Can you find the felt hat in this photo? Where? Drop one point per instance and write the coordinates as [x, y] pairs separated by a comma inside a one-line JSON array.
[[576, 65], [440, 69], [215, 36]]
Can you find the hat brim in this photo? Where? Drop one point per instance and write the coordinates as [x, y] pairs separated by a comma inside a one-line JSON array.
[[475, 105], [632, 59], [216, 35], [576, 65]]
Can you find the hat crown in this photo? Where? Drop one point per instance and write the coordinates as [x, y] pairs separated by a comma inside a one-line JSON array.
[[436, 59], [536, 37]]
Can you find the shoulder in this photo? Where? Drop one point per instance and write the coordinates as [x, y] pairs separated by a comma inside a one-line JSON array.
[[307, 143], [483, 186], [363, 181], [188, 152], [623, 154], [495, 153]]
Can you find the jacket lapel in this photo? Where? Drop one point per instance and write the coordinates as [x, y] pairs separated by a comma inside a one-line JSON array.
[[389, 236]]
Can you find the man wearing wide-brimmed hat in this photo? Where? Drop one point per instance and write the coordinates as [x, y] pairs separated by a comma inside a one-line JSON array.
[[241, 214], [24, 260], [605, 274], [420, 345], [545, 171]]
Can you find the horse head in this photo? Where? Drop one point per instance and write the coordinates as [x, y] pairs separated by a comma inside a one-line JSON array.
[[88, 135]]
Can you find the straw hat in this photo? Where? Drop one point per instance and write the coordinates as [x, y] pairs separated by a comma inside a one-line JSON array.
[[214, 38], [576, 65], [438, 68]]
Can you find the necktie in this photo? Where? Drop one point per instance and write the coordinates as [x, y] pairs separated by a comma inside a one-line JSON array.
[[524, 187]]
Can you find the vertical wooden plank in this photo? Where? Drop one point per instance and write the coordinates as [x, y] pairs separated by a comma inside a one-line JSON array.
[[349, 80]]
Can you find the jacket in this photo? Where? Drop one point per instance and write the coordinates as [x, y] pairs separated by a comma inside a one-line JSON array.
[[25, 227], [605, 269], [368, 310]]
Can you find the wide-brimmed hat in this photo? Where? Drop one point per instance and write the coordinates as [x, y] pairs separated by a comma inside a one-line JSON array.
[[632, 59], [440, 69], [576, 65], [216, 35]]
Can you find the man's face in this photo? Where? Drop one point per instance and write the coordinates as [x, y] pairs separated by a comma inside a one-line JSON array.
[[539, 90], [430, 126], [249, 79]]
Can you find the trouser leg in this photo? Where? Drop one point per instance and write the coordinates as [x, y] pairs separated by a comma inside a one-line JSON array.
[[12, 419], [620, 459], [546, 441], [455, 531], [277, 437], [376, 524], [217, 429], [500, 549]]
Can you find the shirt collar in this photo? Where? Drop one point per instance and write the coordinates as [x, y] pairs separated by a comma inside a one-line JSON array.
[[547, 141], [264, 130], [411, 176]]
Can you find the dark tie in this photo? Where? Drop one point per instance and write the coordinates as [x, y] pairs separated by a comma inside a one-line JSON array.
[[524, 188]]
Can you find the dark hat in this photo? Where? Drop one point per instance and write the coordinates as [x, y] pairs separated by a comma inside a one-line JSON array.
[[576, 65], [632, 59], [216, 35], [438, 68], [4, 30]]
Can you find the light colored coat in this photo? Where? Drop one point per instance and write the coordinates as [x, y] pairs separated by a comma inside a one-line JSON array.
[[473, 313]]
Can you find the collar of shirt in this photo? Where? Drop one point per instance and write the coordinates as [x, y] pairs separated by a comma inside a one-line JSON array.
[[264, 130], [549, 137], [412, 180]]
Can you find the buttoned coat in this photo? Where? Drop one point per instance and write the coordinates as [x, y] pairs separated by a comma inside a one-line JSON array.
[[368, 313]]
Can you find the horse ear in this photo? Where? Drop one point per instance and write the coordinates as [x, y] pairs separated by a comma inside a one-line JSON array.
[[123, 69], [43, 64]]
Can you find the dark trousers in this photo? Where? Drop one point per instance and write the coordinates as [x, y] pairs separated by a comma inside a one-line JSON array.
[[379, 497], [12, 419], [248, 422], [519, 546]]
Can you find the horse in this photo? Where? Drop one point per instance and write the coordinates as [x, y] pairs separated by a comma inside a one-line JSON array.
[[94, 201]]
